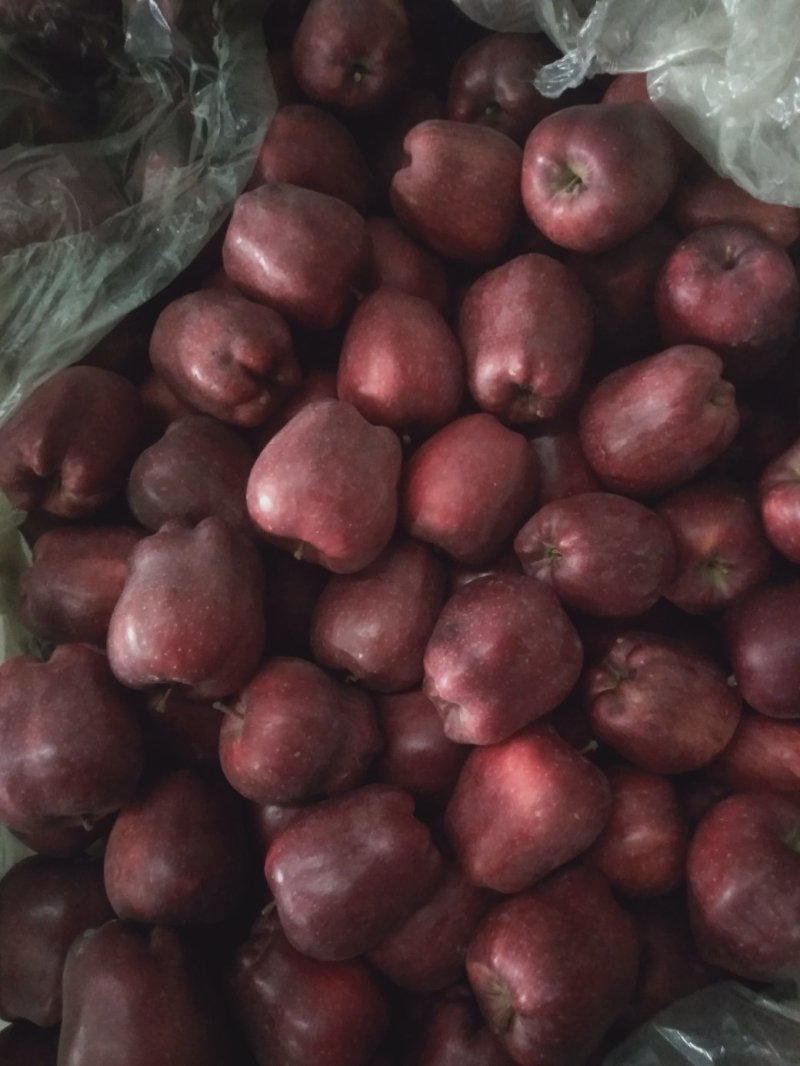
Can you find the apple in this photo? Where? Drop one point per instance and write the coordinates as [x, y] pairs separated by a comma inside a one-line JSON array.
[[779, 493], [297, 251], [764, 651], [563, 469], [593, 175], [744, 912], [350, 870], [652, 426], [310, 486], [602, 554], [375, 624], [662, 705], [191, 612], [729, 288], [526, 328], [554, 805], [225, 356], [552, 968], [67, 448], [362, 741], [763, 756], [502, 654], [398, 262], [75, 579], [458, 191], [469, 487], [454, 1036], [70, 741]]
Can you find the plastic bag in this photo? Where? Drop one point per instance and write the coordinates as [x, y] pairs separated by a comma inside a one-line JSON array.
[[726, 73], [91, 229]]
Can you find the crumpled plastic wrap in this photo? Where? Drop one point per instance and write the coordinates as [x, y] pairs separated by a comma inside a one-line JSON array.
[[91, 229], [726, 73]]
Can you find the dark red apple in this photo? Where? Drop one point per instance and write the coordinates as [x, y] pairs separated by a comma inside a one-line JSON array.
[[296, 1011], [492, 84], [67, 448], [721, 548], [593, 175], [743, 875], [353, 54], [649, 427], [350, 870], [400, 364], [729, 288], [191, 612], [375, 624], [662, 705], [764, 756], [399, 262], [76, 577], [199, 468], [553, 968], [779, 491], [70, 742], [642, 849], [554, 805], [309, 147], [526, 328], [297, 251], [325, 487], [469, 487], [454, 1035], [563, 470], [764, 650], [175, 854], [458, 191], [362, 741], [225, 356], [602, 554], [502, 654]]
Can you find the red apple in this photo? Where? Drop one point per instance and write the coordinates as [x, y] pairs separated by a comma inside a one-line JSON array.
[[764, 756], [399, 262], [779, 491], [764, 650]]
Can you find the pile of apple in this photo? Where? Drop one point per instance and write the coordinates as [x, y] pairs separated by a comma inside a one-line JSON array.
[[420, 626]]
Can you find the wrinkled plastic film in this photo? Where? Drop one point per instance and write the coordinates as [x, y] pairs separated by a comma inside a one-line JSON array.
[[725, 72]]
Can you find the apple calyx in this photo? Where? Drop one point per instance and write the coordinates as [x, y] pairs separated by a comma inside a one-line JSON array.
[[499, 1007]]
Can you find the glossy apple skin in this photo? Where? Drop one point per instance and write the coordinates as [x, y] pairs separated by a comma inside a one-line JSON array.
[[44, 905], [191, 612], [199, 468], [469, 487], [309, 488], [400, 364], [417, 755], [175, 854], [554, 805], [296, 1011], [68, 447], [779, 492], [721, 548], [744, 912], [452, 1036], [398, 262], [593, 175], [352, 55], [601, 553], [552, 968], [23, 1044], [762, 639], [458, 191], [309, 147], [375, 624], [111, 1016], [225, 356], [764, 756], [70, 742], [640, 447], [297, 251], [426, 953], [351, 870], [76, 577], [286, 737], [491, 84], [663, 706], [642, 849], [729, 288], [502, 654], [563, 470], [705, 198], [526, 328]]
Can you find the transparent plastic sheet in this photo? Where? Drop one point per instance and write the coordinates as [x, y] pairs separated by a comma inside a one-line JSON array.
[[725, 72], [90, 230]]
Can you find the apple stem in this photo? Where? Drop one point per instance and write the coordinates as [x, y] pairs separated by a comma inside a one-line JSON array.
[[299, 551], [233, 711], [163, 700], [86, 822]]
